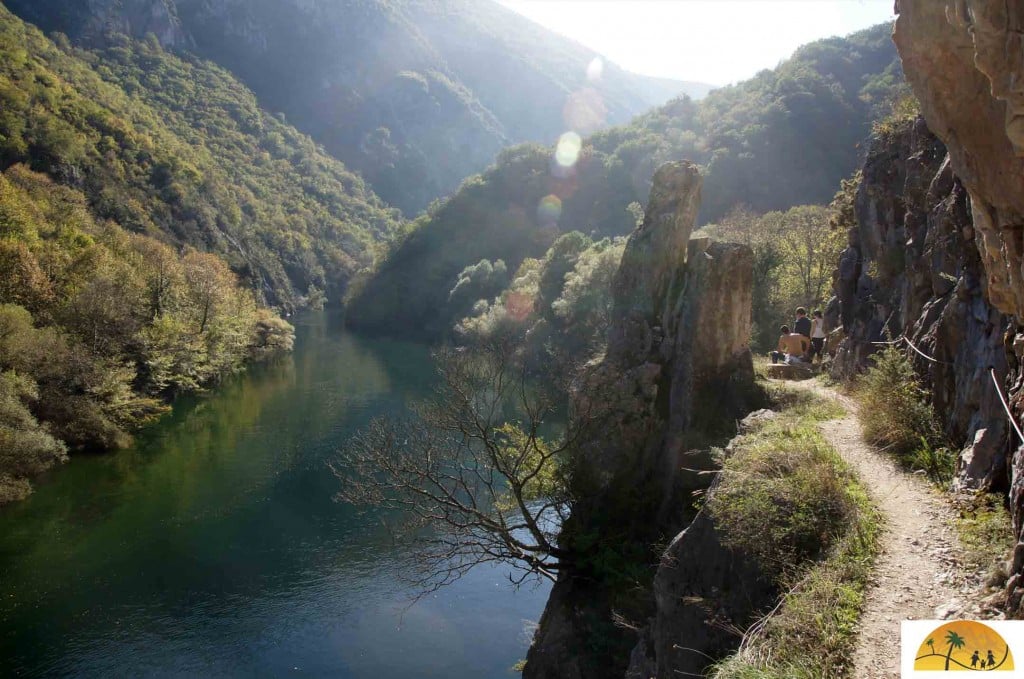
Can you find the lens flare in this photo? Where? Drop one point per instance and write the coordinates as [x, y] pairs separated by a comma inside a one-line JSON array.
[[595, 69], [549, 210], [567, 152], [585, 111]]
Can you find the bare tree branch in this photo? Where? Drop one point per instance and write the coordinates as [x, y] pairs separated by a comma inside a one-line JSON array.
[[468, 478]]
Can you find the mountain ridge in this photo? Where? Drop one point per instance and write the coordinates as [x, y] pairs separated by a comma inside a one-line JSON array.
[[416, 95], [786, 137]]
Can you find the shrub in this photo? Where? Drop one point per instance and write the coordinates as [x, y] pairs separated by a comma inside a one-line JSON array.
[[895, 413], [784, 497]]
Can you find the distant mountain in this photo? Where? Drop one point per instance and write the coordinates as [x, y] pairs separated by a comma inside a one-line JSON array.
[[785, 137], [414, 94], [664, 90]]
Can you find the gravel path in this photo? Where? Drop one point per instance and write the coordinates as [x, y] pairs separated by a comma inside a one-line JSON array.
[[918, 573]]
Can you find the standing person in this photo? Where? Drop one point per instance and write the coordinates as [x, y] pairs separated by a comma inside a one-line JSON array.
[[792, 347], [803, 324], [817, 336]]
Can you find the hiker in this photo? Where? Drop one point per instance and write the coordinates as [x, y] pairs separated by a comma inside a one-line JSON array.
[[817, 336], [802, 324], [974, 659], [792, 347]]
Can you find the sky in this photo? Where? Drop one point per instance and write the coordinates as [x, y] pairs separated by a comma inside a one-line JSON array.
[[713, 41]]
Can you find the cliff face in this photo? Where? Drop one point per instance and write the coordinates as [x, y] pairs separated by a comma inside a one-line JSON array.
[[677, 363], [963, 59], [913, 269]]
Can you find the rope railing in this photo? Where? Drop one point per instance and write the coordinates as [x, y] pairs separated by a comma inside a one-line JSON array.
[[906, 340], [991, 371], [1006, 405]]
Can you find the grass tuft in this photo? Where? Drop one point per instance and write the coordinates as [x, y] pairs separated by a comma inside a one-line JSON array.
[[896, 417], [986, 532]]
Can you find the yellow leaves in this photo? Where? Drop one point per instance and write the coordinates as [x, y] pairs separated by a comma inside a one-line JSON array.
[[528, 460]]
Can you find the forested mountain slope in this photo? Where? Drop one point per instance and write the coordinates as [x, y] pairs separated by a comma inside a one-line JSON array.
[[786, 137], [132, 182], [414, 94], [179, 149]]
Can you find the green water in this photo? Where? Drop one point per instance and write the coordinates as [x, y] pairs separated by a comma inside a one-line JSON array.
[[213, 547]]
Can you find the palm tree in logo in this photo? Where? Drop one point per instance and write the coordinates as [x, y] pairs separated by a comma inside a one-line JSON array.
[[931, 644], [954, 641]]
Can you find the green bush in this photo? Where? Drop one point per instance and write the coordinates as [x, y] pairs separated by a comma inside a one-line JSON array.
[[784, 498], [894, 411]]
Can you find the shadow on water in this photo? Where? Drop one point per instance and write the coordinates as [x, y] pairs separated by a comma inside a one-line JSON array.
[[213, 547]]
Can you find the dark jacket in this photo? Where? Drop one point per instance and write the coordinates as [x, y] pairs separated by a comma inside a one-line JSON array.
[[803, 326]]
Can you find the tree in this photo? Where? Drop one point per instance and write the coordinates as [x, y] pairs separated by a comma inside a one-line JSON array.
[[810, 249], [954, 641], [26, 448], [471, 474], [208, 281]]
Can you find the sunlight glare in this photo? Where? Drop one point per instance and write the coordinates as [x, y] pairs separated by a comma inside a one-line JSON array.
[[568, 150]]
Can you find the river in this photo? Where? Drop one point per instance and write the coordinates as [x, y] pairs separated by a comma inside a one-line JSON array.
[[213, 547]]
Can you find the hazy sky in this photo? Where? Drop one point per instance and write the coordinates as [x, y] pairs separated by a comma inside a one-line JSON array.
[[714, 41]]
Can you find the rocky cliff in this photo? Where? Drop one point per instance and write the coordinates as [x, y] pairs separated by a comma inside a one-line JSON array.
[[912, 269], [677, 368], [963, 59]]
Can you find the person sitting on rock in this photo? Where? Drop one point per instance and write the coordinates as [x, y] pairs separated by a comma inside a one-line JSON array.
[[792, 347], [803, 324]]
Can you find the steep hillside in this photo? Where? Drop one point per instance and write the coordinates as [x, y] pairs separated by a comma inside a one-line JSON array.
[[415, 94], [786, 137], [180, 150]]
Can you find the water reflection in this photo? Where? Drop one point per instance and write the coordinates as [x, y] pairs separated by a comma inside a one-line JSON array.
[[212, 547]]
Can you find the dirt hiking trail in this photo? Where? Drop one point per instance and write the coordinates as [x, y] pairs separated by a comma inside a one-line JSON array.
[[918, 573]]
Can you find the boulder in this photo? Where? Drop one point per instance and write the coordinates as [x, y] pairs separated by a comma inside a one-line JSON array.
[[704, 591]]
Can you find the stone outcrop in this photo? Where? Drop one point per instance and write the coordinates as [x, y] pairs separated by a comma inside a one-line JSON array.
[[965, 62], [702, 590], [681, 330], [912, 269], [678, 365]]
